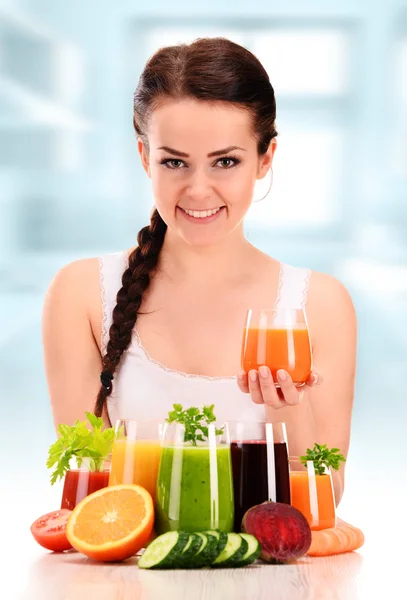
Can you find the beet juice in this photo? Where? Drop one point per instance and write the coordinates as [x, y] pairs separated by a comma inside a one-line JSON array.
[[250, 475]]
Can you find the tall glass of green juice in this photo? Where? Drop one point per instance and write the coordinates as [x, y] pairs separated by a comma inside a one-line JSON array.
[[194, 486]]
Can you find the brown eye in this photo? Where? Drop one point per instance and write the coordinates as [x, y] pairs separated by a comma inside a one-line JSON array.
[[228, 162], [172, 163]]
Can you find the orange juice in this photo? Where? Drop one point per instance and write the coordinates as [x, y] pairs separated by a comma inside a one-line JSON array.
[[301, 491], [278, 348], [136, 462]]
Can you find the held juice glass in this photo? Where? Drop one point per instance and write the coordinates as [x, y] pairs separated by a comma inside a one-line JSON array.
[[279, 339], [312, 493], [194, 488], [259, 465], [136, 453], [85, 476]]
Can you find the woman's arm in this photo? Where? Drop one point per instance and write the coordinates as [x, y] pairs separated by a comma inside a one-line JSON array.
[[71, 354], [324, 413]]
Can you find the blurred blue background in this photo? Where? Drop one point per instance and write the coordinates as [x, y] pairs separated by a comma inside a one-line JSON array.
[[71, 185]]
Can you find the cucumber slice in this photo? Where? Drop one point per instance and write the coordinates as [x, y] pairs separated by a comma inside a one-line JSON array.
[[164, 550], [253, 551], [186, 559], [207, 552], [236, 547], [221, 536]]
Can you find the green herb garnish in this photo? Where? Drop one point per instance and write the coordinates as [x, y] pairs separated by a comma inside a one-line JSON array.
[[323, 457], [80, 442], [195, 422]]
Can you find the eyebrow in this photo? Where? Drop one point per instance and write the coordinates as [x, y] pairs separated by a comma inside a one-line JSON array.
[[215, 153]]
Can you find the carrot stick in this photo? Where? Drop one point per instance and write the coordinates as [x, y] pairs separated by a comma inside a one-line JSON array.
[[357, 539], [336, 540], [343, 540], [321, 543]]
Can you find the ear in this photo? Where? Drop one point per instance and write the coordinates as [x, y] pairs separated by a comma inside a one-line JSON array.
[[266, 160], [144, 156]]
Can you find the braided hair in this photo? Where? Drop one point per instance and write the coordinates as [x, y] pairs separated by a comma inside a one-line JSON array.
[[209, 69], [135, 280]]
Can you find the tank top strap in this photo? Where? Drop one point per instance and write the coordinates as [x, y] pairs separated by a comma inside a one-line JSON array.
[[111, 269], [293, 287]]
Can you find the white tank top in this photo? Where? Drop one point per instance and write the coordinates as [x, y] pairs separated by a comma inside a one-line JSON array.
[[145, 389]]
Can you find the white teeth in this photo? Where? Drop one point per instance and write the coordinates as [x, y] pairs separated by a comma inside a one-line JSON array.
[[201, 214]]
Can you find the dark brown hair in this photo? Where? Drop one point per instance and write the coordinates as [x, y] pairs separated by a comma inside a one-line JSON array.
[[211, 69]]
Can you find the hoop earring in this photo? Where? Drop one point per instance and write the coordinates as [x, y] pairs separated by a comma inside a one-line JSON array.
[[270, 186]]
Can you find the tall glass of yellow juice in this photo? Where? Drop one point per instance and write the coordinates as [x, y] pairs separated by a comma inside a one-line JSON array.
[[136, 453]]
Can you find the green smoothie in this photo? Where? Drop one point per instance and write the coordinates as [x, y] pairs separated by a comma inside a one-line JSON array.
[[194, 489]]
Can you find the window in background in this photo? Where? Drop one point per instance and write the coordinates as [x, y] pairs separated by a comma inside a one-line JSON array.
[[309, 70], [69, 85], [401, 101], [158, 37], [305, 167], [26, 58], [41, 83], [312, 62]]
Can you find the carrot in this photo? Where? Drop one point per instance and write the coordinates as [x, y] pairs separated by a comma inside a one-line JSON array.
[[357, 540], [336, 540], [321, 543]]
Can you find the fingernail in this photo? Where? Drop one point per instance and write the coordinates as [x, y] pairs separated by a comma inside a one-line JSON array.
[[282, 375], [253, 376], [241, 376], [315, 379], [264, 372]]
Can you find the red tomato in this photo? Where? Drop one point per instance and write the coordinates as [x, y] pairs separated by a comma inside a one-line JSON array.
[[49, 530]]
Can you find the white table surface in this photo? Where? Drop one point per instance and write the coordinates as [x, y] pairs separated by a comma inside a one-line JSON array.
[[375, 500], [39, 575], [31, 573]]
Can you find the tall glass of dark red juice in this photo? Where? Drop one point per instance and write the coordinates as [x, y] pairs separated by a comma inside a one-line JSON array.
[[259, 465], [80, 481]]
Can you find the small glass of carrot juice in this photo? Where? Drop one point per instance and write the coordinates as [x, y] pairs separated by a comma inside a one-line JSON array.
[[312, 493], [279, 339], [136, 453]]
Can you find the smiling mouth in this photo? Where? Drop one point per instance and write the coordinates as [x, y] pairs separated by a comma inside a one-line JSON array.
[[201, 214]]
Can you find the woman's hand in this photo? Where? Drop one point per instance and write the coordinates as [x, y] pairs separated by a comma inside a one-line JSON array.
[[261, 386]]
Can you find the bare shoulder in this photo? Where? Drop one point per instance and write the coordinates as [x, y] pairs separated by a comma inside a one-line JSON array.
[[329, 300], [325, 287], [77, 281], [71, 333], [74, 296], [78, 270]]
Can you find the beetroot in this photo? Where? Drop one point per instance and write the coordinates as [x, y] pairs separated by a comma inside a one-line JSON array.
[[282, 531]]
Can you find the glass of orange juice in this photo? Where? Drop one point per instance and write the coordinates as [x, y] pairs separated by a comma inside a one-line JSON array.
[[279, 339], [312, 493], [136, 453]]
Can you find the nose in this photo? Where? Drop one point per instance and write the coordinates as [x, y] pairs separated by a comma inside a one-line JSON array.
[[199, 187]]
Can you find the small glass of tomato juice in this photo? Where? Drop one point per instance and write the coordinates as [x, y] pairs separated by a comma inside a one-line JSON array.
[[83, 479]]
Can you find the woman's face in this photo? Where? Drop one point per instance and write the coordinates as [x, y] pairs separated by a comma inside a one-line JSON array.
[[203, 164]]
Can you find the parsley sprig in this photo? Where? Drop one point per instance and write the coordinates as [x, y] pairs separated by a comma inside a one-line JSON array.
[[195, 422], [323, 457], [79, 441]]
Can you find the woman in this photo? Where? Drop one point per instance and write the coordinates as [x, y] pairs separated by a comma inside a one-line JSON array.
[[162, 322]]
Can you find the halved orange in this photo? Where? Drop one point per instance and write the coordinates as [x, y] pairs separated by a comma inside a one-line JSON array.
[[113, 523]]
